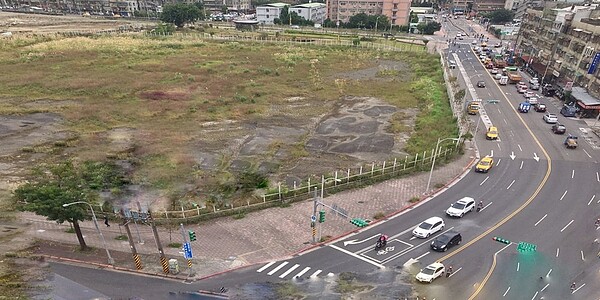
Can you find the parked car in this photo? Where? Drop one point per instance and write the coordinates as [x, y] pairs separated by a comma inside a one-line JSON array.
[[485, 164], [533, 80], [429, 227], [521, 83], [522, 89], [431, 272], [541, 107], [492, 133], [533, 100], [568, 111], [481, 84], [559, 128], [498, 76], [461, 207], [550, 118], [494, 71], [528, 94], [534, 86], [446, 240]]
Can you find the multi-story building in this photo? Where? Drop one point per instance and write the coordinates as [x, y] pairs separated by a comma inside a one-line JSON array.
[[266, 14], [315, 12], [483, 6], [462, 6], [397, 11], [562, 47], [238, 5]]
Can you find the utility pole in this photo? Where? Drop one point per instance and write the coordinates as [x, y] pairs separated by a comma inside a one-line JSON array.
[[163, 259], [136, 256]]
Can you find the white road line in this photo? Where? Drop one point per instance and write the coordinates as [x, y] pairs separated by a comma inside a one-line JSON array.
[[597, 176], [357, 256], [498, 162], [561, 197], [510, 184], [545, 287], [587, 153], [483, 208], [582, 257], [290, 270], [278, 268], [455, 272], [548, 274], [566, 226], [521, 167], [302, 272], [265, 266], [505, 121], [575, 291], [520, 147], [557, 251], [572, 174], [536, 293], [538, 222], [316, 273], [591, 200], [484, 180], [518, 266], [419, 257], [508, 289]]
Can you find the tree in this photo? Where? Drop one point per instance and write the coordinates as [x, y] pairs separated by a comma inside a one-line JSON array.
[[363, 20], [501, 16], [429, 28], [287, 18], [413, 17], [53, 186], [180, 14]]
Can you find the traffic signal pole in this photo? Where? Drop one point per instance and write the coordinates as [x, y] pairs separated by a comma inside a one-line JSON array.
[[189, 260], [314, 215]]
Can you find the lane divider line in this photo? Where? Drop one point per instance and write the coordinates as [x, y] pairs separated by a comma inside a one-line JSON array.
[[542, 219], [566, 226], [557, 251], [508, 289], [592, 200], [563, 195], [545, 287], [508, 187]]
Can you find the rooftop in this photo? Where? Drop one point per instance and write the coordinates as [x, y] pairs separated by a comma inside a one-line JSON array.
[[310, 5], [582, 95], [278, 4]]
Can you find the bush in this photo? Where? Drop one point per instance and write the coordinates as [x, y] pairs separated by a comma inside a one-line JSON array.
[[174, 245], [379, 216], [414, 199]]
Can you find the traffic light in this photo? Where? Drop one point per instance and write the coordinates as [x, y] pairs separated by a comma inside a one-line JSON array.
[[192, 235], [501, 240], [359, 222], [526, 247], [321, 216]]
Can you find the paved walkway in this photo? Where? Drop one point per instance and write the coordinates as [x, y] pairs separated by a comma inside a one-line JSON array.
[[260, 236]]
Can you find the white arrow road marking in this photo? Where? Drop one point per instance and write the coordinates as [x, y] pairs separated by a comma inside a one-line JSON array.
[[512, 156], [537, 158], [563, 196], [302, 272], [566, 226], [538, 222], [508, 289], [352, 242], [290, 270], [358, 256], [265, 266], [278, 268], [316, 273]]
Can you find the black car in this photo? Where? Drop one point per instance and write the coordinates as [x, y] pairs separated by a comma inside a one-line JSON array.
[[481, 84], [559, 128], [446, 240]]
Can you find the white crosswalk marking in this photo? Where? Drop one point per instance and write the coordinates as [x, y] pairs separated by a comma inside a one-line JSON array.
[[277, 268], [265, 266], [316, 273], [302, 272], [290, 270]]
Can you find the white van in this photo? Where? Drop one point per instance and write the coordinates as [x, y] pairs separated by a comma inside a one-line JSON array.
[[451, 64]]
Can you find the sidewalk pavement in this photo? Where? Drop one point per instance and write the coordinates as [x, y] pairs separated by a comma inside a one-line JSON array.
[[261, 236]]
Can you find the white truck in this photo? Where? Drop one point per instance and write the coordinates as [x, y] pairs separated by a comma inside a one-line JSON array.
[[503, 80]]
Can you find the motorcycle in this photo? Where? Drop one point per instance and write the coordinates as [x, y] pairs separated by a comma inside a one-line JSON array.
[[380, 244]]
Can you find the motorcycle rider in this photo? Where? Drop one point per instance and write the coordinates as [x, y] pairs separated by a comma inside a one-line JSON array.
[[479, 206], [382, 240]]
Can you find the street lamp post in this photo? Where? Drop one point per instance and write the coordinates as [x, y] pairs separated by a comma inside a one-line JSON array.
[[434, 156], [323, 181], [111, 261]]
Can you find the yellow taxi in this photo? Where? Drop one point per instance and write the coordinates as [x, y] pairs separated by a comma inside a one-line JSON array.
[[492, 133], [484, 165]]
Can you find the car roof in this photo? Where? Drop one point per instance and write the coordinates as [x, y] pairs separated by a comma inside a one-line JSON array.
[[493, 127], [487, 158], [433, 220]]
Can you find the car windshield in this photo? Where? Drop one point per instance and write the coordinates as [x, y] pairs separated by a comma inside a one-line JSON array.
[[428, 271], [425, 225], [458, 205]]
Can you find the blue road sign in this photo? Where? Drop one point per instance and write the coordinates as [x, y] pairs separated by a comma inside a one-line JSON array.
[[313, 218], [187, 251], [594, 64]]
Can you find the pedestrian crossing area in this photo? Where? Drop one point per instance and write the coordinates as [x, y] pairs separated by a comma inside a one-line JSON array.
[[286, 270]]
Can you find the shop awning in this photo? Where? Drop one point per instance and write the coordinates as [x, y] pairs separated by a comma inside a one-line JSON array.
[[584, 99]]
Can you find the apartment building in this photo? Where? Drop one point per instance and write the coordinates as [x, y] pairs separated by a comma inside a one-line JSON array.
[[397, 11], [484, 6], [562, 47], [266, 14], [315, 12]]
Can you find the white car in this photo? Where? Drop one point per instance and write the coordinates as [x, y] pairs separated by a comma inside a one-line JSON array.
[[474, 42], [551, 118], [533, 100], [533, 80], [498, 76], [461, 207], [494, 71], [458, 34], [429, 227], [432, 272], [529, 94]]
